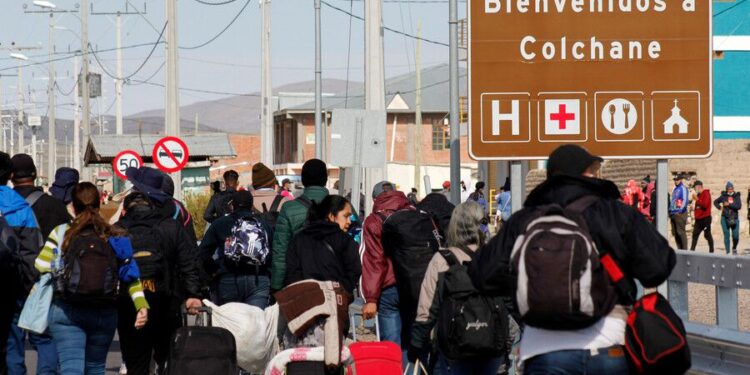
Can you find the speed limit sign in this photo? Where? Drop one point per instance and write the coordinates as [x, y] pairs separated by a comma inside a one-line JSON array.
[[124, 160]]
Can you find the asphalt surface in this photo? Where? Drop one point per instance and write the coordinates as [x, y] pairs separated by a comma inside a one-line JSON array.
[[113, 359]]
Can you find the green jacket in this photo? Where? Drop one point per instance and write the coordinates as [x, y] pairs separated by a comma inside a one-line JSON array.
[[291, 220]]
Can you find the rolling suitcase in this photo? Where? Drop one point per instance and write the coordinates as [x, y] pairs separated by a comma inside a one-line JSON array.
[[375, 358], [202, 349]]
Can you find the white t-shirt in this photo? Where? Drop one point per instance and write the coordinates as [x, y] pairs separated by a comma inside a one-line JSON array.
[[608, 331]]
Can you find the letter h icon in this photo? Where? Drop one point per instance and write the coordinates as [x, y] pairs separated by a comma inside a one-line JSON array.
[[513, 117]]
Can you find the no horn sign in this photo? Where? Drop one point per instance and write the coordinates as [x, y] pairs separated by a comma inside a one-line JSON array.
[[170, 154]]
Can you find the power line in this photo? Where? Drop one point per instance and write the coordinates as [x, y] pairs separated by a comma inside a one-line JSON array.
[[78, 54], [386, 27], [152, 75], [219, 3], [148, 57], [195, 90], [222, 31]]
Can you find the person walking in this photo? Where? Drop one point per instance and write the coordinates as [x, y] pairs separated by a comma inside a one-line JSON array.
[[678, 214], [49, 213], [323, 250], [702, 216], [631, 242], [83, 315], [286, 189], [464, 237], [293, 215], [504, 204], [170, 272], [478, 197], [730, 203], [235, 282], [65, 179], [217, 206], [265, 196]]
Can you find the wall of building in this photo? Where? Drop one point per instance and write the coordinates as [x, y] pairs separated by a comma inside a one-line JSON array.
[[247, 148]]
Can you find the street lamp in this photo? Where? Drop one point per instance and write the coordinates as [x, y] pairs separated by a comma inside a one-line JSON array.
[[20, 119], [44, 4], [19, 56]]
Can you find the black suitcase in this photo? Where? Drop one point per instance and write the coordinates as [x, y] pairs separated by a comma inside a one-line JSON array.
[[202, 349]]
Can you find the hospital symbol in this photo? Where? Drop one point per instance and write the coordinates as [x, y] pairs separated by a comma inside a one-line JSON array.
[[676, 123], [499, 117], [562, 117]]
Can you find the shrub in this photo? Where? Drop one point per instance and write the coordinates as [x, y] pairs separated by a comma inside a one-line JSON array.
[[196, 204]]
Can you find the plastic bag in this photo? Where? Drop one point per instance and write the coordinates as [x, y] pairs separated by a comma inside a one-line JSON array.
[[250, 329], [35, 311]]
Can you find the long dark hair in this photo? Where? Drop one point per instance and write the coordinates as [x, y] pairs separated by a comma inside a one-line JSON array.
[[330, 205], [86, 205]]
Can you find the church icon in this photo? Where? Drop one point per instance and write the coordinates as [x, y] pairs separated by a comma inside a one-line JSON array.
[[676, 123]]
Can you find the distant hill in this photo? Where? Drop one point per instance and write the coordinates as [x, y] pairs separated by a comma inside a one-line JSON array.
[[236, 114]]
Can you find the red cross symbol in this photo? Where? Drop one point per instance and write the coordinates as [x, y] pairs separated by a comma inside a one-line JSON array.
[[562, 116]]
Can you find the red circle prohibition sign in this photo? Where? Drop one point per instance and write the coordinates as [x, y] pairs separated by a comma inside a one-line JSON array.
[[124, 160], [170, 154]]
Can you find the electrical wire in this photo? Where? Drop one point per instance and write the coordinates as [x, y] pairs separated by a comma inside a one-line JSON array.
[[59, 89], [194, 90], [219, 3], [163, 63], [349, 52], [386, 27], [222, 31], [148, 57], [78, 54]]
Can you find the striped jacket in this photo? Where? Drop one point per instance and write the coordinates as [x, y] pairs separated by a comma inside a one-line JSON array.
[[50, 255]]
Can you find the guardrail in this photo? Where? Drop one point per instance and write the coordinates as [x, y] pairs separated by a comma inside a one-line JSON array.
[[720, 348]]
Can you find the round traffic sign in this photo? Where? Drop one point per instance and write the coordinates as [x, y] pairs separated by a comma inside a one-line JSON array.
[[170, 154], [124, 160]]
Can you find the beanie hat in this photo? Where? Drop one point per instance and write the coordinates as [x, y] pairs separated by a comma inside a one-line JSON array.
[[262, 176], [698, 183], [730, 185], [23, 166], [314, 173], [242, 199]]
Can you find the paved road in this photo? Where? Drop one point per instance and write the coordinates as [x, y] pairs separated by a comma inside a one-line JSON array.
[[113, 359]]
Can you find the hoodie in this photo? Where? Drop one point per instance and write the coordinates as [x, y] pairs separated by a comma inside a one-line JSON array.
[[734, 204], [323, 252], [377, 268], [21, 218], [703, 205]]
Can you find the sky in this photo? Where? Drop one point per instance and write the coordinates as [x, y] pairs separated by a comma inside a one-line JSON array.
[[228, 65]]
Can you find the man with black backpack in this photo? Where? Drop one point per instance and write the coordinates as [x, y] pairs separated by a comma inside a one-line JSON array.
[[167, 259], [236, 251], [265, 197], [569, 258], [217, 206], [49, 213]]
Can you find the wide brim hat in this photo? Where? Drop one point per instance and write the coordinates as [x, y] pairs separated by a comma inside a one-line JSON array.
[[148, 181]]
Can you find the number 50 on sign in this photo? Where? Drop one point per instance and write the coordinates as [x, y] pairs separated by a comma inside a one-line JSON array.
[[124, 160]]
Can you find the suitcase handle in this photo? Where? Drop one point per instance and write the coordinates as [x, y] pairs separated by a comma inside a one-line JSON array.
[[203, 310]]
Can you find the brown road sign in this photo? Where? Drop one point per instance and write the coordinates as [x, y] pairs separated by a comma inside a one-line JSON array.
[[624, 78]]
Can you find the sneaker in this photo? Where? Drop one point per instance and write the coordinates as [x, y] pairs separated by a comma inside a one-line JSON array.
[[123, 369]]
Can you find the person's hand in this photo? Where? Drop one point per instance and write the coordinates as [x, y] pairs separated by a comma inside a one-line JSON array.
[[369, 310], [192, 305], [141, 318]]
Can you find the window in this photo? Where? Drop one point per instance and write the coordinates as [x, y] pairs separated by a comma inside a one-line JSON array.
[[441, 136]]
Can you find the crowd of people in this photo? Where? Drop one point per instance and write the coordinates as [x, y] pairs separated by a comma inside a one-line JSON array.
[[418, 265]]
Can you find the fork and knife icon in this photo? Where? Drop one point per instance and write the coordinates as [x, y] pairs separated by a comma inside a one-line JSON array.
[[625, 110], [619, 116]]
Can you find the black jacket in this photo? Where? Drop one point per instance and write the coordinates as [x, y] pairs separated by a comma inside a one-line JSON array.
[[181, 252], [213, 243], [309, 258], [217, 206], [49, 211], [640, 251], [440, 208]]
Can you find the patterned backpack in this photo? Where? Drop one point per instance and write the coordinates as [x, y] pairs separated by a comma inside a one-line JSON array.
[[248, 246]]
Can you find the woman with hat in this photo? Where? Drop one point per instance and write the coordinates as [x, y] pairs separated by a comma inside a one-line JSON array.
[[730, 203]]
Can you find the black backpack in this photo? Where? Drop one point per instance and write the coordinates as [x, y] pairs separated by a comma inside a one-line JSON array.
[[89, 272], [269, 216], [410, 238], [562, 284], [470, 325], [146, 239]]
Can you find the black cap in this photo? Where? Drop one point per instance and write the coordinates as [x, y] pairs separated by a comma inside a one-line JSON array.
[[23, 166], [679, 176], [570, 160], [285, 181], [698, 183], [242, 199]]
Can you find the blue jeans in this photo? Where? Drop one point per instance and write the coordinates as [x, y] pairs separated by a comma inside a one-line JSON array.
[[735, 231], [16, 354], [82, 336], [610, 361], [389, 319], [447, 366], [244, 289]]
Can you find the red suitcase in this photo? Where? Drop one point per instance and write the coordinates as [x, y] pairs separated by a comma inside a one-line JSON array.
[[375, 358]]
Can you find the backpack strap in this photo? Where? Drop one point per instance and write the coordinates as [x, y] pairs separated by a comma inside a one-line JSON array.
[[276, 203], [449, 257], [581, 204], [305, 201], [265, 209], [32, 198]]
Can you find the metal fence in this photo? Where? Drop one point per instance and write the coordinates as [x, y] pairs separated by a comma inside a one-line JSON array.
[[721, 348]]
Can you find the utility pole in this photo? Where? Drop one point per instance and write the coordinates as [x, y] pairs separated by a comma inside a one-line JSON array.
[[455, 130], [418, 113], [21, 119], [266, 88], [374, 80], [51, 103], [172, 116], [196, 123], [76, 150], [118, 80], [85, 96], [319, 151]]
